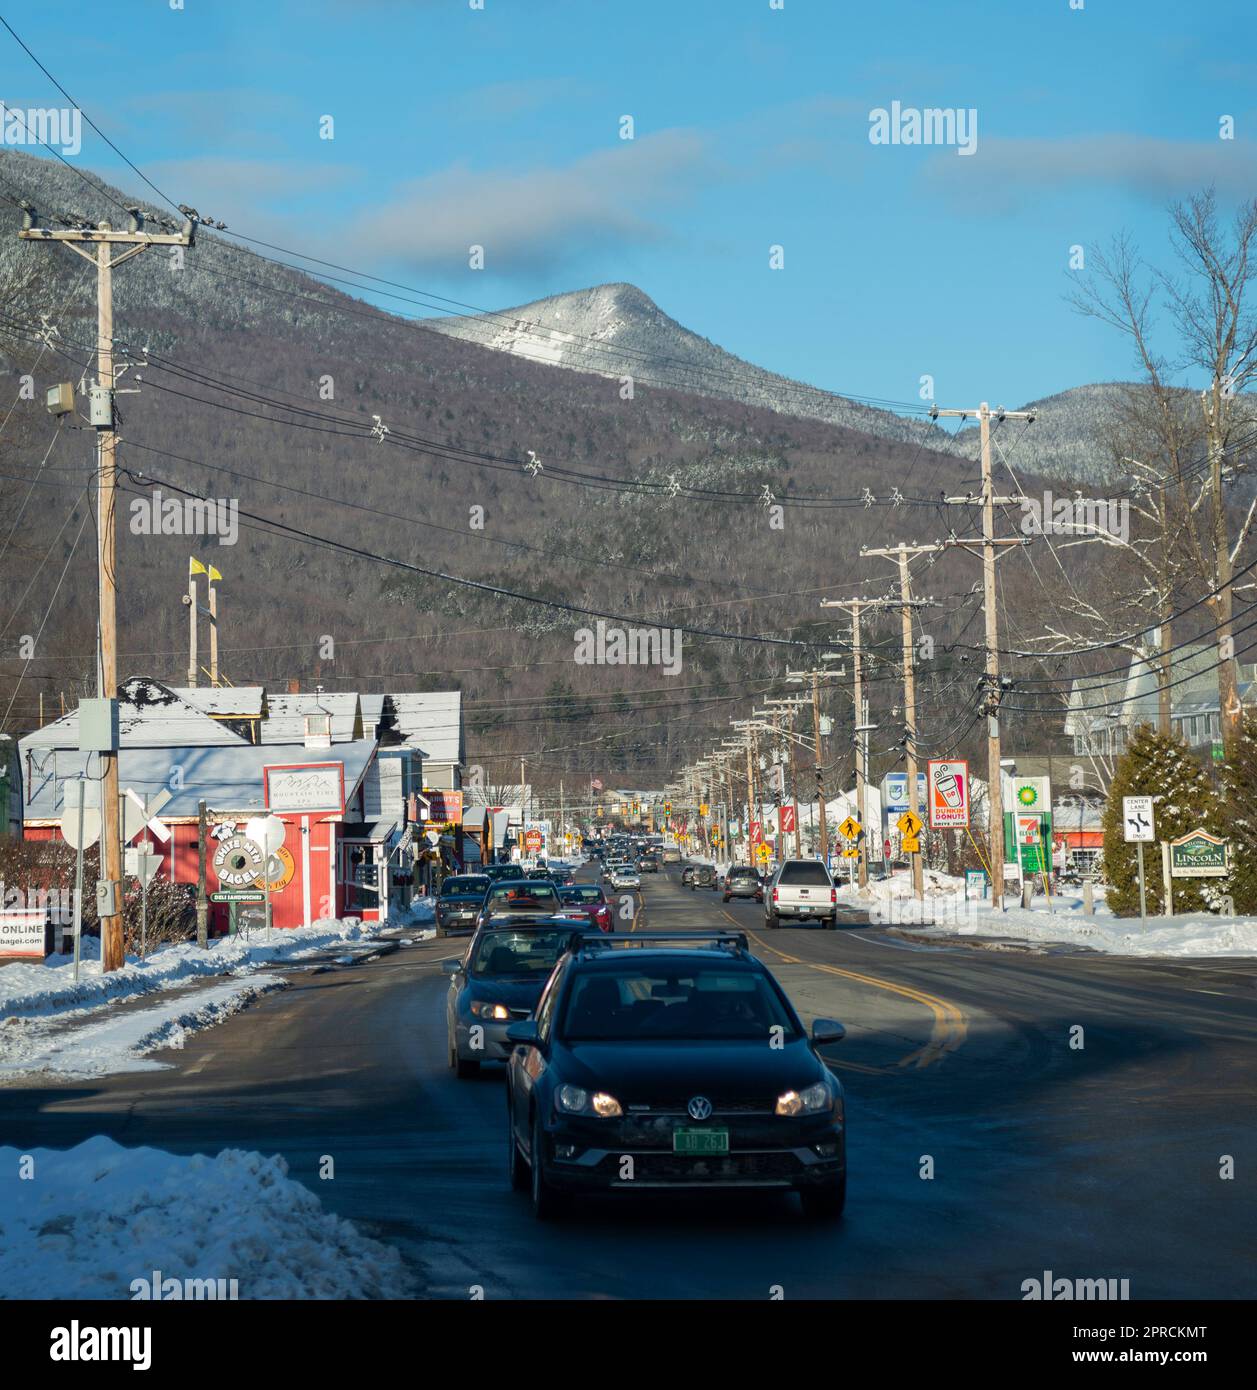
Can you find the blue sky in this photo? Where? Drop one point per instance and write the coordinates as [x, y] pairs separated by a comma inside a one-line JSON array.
[[502, 127]]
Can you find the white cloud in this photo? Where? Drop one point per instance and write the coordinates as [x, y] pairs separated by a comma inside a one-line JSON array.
[[542, 218]]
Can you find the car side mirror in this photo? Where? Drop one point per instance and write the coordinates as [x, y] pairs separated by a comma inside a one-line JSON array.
[[827, 1030], [452, 966], [524, 1034]]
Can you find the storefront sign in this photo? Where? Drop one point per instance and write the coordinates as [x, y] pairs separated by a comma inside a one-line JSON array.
[[305, 788], [22, 933]]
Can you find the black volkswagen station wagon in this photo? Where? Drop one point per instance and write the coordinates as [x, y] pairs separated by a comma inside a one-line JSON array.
[[672, 1061]]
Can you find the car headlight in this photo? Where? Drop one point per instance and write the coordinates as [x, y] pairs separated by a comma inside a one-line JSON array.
[[482, 1008], [805, 1102], [575, 1100]]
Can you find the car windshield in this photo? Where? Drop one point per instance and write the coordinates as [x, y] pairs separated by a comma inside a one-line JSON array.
[[533, 893], [518, 952], [674, 1002], [582, 893], [465, 885]]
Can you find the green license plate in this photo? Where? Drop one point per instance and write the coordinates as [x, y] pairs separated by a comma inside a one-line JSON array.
[[700, 1141]]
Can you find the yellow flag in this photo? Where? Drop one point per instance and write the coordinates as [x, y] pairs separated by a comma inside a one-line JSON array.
[[194, 566], [213, 574]]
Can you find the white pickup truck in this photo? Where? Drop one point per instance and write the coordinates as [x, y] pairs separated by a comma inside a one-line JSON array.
[[801, 888]]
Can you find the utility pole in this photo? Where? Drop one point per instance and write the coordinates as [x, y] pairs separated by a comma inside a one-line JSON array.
[[791, 706], [815, 677], [854, 606], [994, 791], [101, 239], [906, 603]]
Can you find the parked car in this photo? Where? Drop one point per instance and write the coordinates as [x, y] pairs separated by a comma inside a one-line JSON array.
[[591, 901], [741, 881], [459, 902], [496, 983], [625, 876], [660, 1054], [801, 888], [704, 876], [520, 897]]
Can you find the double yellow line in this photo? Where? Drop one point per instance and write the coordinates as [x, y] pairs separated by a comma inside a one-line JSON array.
[[949, 1030]]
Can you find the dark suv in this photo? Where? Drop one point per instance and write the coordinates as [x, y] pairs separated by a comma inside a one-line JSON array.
[[704, 876], [678, 1063], [742, 881]]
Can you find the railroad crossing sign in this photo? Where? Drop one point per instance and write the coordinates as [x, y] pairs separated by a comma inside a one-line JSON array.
[[910, 824], [139, 813], [849, 829], [1139, 824]]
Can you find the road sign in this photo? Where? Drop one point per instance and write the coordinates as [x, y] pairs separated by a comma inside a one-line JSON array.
[[850, 829], [139, 814], [851, 853], [1139, 822], [763, 853], [948, 783], [1199, 855], [71, 790], [909, 844], [910, 824], [141, 865]]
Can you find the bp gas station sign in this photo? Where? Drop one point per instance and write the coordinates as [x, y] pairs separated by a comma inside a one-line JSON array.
[[1028, 823]]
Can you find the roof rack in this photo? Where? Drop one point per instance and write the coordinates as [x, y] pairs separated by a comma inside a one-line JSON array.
[[590, 943]]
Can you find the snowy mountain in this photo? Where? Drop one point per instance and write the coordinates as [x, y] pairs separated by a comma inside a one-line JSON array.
[[616, 330]]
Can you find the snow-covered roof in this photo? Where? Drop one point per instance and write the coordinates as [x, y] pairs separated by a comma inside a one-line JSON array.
[[225, 701], [432, 720], [286, 721], [150, 715], [226, 778]]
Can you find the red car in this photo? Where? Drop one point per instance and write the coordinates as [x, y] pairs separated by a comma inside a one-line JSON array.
[[590, 901]]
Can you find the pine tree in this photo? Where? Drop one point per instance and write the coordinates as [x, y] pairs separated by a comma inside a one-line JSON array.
[[1239, 797], [1182, 799]]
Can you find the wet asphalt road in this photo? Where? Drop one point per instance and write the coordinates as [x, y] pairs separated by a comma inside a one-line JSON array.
[[1093, 1161]]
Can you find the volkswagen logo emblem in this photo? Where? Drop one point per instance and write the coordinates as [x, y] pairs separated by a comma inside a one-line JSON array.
[[699, 1108]]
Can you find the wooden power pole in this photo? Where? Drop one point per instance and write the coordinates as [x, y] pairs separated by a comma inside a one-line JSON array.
[[994, 791], [101, 241]]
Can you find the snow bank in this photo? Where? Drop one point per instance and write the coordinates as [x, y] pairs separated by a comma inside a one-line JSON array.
[[97, 1221], [1059, 922], [48, 987]]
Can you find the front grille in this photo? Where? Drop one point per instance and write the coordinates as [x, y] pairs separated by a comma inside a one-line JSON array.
[[725, 1105], [714, 1168]]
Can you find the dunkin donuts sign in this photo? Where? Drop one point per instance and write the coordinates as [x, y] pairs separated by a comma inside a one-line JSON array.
[[948, 792]]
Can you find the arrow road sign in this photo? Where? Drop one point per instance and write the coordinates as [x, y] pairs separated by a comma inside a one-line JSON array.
[[1139, 824]]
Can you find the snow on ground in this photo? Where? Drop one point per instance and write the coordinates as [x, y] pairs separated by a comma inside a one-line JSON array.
[[1060, 921], [98, 1220], [420, 913], [51, 1025], [100, 1042], [48, 987]]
